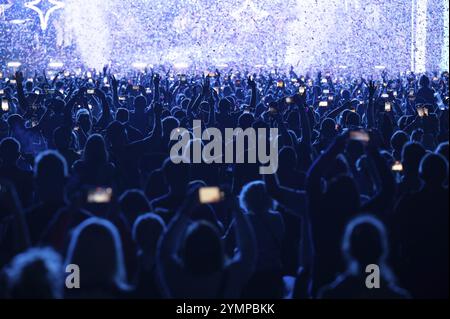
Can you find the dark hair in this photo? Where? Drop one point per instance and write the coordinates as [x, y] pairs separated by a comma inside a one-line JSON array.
[[203, 252]]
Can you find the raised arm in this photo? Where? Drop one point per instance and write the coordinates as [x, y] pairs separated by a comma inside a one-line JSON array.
[[294, 201], [23, 103]]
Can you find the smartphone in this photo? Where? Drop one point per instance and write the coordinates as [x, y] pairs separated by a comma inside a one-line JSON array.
[[90, 91], [360, 135], [66, 74], [50, 91], [210, 195], [273, 110], [324, 81], [212, 74], [397, 167], [280, 84], [289, 100], [183, 78], [89, 74], [148, 90], [387, 107], [136, 87], [99, 195], [323, 103], [326, 91], [330, 98], [122, 98], [420, 111], [301, 90], [5, 105], [395, 93], [13, 81], [37, 92], [2, 91], [385, 96]]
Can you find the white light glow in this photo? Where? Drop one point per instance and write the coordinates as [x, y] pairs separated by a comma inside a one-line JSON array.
[[14, 64], [55, 65], [419, 35]]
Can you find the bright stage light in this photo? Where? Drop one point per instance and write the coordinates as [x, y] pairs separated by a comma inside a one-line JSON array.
[[55, 65], [181, 65], [139, 65], [14, 64]]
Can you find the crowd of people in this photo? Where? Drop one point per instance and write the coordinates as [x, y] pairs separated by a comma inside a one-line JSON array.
[[86, 179]]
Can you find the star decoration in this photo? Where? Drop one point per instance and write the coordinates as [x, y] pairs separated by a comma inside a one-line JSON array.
[[5, 6], [44, 17]]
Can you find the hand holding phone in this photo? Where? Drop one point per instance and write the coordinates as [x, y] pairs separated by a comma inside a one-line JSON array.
[[99, 195], [210, 195], [359, 135], [397, 166]]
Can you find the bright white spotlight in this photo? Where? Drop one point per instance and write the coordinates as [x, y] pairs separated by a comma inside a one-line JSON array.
[[55, 65], [419, 26], [180, 65], [14, 64], [139, 65]]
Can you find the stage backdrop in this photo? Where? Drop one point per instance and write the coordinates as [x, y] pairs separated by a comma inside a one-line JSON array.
[[401, 34]]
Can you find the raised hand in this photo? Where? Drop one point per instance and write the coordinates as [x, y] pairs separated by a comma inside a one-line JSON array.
[[19, 77], [156, 79], [251, 82], [372, 89]]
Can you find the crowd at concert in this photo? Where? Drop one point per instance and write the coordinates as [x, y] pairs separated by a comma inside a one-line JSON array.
[[86, 179]]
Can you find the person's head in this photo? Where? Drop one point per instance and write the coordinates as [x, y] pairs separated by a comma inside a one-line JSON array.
[[15, 122], [176, 176], [9, 151], [328, 128], [62, 137], [352, 119], [364, 243], [84, 119], [346, 95], [424, 81], [140, 102], [133, 203], [203, 251], [95, 150], [245, 120], [398, 139], [147, 229], [442, 149], [224, 106], [122, 115], [287, 159], [343, 195], [35, 274], [116, 134], [50, 173], [169, 124], [255, 199], [412, 154], [433, 170], [96, 248]]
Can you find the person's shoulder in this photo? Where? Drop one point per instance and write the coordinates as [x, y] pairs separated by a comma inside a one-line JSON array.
[[333, 289]]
